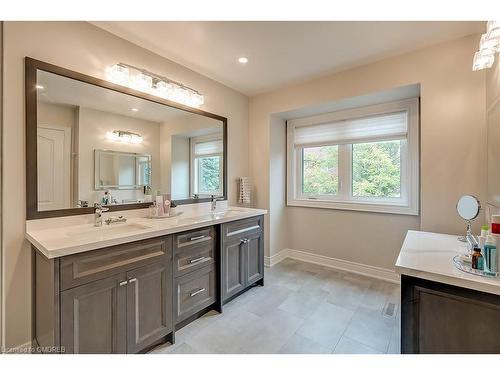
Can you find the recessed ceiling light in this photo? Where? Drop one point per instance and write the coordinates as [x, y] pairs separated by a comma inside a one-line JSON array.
[[39, 87], [134, 109], [243, 60]]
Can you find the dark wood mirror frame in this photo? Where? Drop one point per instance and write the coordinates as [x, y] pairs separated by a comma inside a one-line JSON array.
[[31, 67]]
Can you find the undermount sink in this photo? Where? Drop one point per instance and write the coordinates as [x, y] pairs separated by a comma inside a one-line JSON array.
[[113, 229], [210, 216]]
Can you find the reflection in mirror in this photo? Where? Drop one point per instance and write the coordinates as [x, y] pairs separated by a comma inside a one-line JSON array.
[[493, 161], [99, 145]]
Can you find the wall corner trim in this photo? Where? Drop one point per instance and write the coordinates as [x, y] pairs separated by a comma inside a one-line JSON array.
[[334, 263]]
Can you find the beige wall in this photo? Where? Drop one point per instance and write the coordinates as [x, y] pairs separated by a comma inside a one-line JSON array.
[[452, 152], [85, 48]]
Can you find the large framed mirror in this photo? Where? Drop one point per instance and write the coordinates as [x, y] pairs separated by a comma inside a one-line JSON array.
[[92, 141]]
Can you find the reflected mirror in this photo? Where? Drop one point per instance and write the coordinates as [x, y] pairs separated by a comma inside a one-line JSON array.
[[96, 144]]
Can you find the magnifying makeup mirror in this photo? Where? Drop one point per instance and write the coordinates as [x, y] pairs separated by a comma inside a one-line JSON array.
[[468, 207]]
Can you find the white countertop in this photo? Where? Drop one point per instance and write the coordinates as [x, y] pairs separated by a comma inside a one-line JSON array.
[[430, 256], [62, 236]]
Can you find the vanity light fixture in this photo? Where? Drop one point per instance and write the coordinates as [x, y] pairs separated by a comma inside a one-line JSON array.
[[124, 137], [154, 84], [243, 60], [488, 47]]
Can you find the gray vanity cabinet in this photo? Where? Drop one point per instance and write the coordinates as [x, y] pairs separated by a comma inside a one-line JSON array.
[[94, 317], [233, 267], [242, 255], [149, 305], [254, 258], [111, 300]]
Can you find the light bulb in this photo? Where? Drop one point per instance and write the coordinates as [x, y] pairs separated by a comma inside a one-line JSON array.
[[142, 82], [118, 74], [493, 29], [482, 60], [489, 45]]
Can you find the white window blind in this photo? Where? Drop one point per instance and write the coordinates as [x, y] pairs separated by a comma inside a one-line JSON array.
[[360, 130], [208, 148]]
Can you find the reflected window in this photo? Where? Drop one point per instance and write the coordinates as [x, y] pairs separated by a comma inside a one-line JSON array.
[[207, 162]]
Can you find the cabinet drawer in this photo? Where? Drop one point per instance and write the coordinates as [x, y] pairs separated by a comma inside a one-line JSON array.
[[242, 227], [194, 292], [193, 250], [82, 268], [194, 237], [193, 258]]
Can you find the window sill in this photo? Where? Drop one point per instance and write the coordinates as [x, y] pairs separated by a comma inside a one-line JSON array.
[[387, 208]]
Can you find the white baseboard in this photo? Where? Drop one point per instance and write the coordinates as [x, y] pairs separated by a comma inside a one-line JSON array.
[[338, 264], [276, 258]]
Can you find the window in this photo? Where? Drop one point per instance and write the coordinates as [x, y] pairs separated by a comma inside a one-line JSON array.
[[206, 166], [358, 159]]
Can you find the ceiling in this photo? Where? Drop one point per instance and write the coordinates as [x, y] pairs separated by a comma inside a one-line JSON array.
[[282, 53]]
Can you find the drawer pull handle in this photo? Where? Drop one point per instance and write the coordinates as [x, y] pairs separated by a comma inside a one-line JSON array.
[[132, 280], [197, 292], [196, 238], [196, 260], [123, 283]]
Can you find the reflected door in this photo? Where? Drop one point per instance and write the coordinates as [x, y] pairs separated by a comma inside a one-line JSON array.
[[54, 156]]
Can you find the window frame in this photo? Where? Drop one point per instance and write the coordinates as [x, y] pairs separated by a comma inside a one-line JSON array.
[[407, 204], [194, 165]]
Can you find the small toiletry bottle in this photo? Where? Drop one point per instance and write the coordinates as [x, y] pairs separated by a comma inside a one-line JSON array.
[[495, 224], [153, 210], [159, 204], [173, 208], [485, 229], [490, 254], [166, 207], [477, 259]]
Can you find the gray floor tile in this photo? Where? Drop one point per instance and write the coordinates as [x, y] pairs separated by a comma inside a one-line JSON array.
[[304, 302], [347, 345], [371, 328], [298, 344], [327, 324]]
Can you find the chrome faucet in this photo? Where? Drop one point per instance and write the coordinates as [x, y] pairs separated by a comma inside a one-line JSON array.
[[214, 200], [98, 210], [112, 220]]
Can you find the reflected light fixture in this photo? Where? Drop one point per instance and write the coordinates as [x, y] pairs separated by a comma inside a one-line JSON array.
[[134, 109], [154, 84], [39, 87], [243, 60], [488, 47], [124, 137]]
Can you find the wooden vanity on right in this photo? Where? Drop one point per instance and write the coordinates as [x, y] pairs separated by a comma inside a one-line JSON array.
[[443, 309]]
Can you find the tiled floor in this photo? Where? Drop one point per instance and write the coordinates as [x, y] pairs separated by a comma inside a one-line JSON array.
[[303, 308]]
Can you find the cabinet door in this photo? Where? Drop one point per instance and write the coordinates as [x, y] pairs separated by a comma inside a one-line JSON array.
[[149, 305], [233, 267], [254, 262], [93, 317]]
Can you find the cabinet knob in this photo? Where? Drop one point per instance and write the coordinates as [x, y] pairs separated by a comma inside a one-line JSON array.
[[123, 283], [133, 280], [244, 240]]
